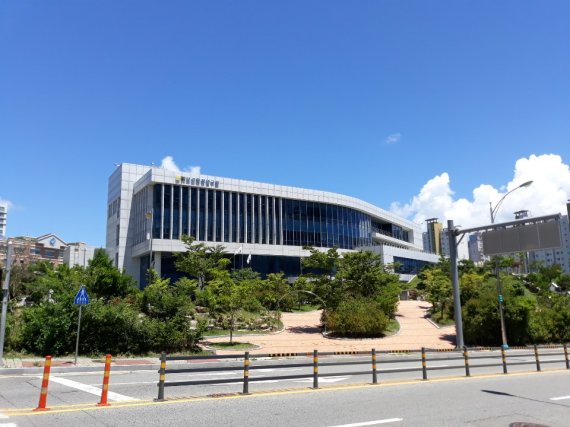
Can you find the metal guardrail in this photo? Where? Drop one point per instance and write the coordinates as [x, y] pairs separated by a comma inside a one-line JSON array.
[[465, 355]]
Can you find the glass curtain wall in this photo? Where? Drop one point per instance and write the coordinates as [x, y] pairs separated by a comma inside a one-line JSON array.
[[222, 216]]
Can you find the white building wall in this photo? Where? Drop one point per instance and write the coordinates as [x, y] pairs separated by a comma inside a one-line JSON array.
[[78, 254]]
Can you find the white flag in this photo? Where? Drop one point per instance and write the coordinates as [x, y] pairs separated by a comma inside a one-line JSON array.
[[249, 258], [238, 250]]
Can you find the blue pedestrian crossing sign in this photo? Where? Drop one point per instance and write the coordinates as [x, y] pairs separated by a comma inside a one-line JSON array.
[[81, 298]]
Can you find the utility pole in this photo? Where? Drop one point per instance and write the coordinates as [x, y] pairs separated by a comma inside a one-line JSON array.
[[5, 298]]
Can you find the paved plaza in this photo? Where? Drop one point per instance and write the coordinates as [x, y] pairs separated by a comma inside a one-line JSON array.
[[302, 333]]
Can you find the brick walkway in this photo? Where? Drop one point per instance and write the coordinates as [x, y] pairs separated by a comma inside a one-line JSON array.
[[302, 334]]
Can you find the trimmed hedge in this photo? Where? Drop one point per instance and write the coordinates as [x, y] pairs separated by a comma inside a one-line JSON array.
[[357, 317]]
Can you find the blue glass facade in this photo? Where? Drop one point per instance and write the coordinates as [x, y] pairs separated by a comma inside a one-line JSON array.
[[228, 217], [409, 266]]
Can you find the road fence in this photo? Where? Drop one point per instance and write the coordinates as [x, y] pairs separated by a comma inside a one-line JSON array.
[[375, 366]]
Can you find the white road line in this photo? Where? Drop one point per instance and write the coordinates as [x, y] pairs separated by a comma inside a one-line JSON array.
[[5, 417], [91, 389], [111, 384], [429, 365], [560, 398], [372, 423], [328, 379]]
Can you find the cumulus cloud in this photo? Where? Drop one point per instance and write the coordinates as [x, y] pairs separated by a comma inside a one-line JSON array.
[[169, 163], [392, 139], [547, 195], [8, 203]]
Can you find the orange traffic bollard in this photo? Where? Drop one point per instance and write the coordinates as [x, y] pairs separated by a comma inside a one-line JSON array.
[[103, 401], [45, 382]]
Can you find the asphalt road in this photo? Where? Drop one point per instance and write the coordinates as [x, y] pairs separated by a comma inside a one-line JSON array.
[[22, 391], [498, 400]]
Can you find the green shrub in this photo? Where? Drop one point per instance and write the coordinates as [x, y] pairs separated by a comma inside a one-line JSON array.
[[48, 329], [114, 328], [357, 317]]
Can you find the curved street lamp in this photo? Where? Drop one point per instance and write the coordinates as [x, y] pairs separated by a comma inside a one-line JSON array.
[[494, 210]]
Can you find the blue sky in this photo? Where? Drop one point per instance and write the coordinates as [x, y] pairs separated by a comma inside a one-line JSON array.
[[381, 100]]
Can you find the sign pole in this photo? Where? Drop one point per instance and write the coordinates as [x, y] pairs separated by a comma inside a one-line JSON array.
[[5, 298], [80, 299], [77, 339]]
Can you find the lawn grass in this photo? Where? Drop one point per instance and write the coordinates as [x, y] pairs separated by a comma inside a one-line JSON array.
[[305, 307], [392, 328], [441, 321], [233, 346], [223, 332]]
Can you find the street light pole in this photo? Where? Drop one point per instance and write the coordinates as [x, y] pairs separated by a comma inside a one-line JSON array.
[[452, 233], [493, 211], [5, 298]]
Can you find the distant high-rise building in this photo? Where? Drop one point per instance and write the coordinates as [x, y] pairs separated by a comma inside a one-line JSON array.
[[3, 219], [432, 238], [444, 243], [475, 247]]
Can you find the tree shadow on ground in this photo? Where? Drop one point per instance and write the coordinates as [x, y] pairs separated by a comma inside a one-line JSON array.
[[304, 329], [448, 337]]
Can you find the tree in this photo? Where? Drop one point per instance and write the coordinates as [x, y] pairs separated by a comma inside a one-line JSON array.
[[105, 281], [231, 296], [200, 261], [438, 289], [319, 268]]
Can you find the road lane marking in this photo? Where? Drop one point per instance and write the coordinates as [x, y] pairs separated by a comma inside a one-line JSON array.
[[5, 417], [131, 383], [91, 389], [328, 379], [435, 365], [560, 398], [19, 412], [372, 423]]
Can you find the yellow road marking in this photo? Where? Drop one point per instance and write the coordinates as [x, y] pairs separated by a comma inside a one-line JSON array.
[[18, 412]]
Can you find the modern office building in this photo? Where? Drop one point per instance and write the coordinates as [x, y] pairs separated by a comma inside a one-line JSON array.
[[3, 219], [150, 208]]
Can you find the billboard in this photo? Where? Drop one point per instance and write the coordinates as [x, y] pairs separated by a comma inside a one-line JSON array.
[[523, 238]]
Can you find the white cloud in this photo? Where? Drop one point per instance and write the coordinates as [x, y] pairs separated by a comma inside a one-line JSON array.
[[8, 203], [546, 195], [392, 139], [169, 163], [193, 170]]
